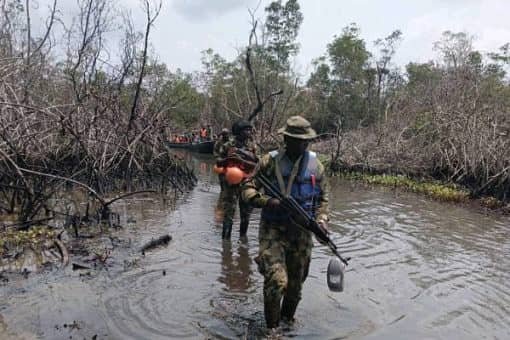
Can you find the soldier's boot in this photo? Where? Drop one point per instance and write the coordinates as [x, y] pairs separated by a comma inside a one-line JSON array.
[[272, 314], [289, 307], [243, 229], [227, 230]]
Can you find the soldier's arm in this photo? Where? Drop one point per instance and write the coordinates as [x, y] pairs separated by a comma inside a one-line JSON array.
[[251, 189], [222, 153], [323, 206], [217, 149], [258, 150]]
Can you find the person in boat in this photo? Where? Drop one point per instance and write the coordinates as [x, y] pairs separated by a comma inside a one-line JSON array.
[[228, 154], [194, 138], [203, 134], [209, 132], [284, 248]]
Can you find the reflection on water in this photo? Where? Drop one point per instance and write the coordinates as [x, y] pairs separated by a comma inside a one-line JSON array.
[[420, 269], [236, 269]]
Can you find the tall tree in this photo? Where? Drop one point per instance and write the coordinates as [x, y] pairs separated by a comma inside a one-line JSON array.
[[349, 59], [455, 48], [282, 27], [387, 48]]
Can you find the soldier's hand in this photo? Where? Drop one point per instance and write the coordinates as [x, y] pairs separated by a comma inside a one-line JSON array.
[[273, 203], [324, 226]]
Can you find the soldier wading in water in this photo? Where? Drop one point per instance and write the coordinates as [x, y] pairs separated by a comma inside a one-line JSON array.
[[284, 248], [233, 154], [223, 138]]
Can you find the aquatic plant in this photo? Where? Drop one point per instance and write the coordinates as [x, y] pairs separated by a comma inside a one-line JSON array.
[[439, 191], [14, 240]]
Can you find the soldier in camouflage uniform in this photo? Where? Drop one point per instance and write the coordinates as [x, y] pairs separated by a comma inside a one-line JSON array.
[[223, 138], [284, 248], [242, 131]]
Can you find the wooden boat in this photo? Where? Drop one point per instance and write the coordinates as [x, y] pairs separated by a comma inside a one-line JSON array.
[[200, 147], [178, 145], [203, 147]]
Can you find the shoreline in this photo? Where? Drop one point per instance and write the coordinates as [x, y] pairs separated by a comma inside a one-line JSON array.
[[432, 188]]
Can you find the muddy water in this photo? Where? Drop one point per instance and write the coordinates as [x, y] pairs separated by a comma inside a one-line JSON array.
[[420, 269]]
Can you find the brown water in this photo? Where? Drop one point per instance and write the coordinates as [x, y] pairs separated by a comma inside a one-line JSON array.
[[420, 269]]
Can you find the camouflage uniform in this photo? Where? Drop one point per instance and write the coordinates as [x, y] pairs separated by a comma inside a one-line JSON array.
[[221, 178], [231, 195], [284, 248], [217, 146]]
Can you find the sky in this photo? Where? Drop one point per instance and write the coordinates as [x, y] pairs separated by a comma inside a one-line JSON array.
[[187, 27]]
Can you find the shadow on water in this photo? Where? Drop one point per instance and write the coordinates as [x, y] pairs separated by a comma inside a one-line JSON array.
[[420, 269], [236, 268]]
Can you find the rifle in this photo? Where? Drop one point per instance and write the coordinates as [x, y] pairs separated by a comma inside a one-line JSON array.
[[298, 212]]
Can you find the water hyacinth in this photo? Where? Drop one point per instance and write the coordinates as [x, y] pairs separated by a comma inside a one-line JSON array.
[[18, 239], [435, 190]]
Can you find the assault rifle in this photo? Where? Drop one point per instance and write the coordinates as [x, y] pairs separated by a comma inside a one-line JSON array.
[[299, 215], [243, 159]]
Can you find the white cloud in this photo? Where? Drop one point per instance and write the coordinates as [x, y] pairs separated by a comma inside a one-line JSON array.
[[485, 20], [186, 27], [201, 9]]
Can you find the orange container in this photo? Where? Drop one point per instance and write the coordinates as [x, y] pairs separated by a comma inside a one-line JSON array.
[[218, 169], [234, 175]]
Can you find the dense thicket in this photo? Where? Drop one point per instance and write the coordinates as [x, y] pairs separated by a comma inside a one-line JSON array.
[[82, 119], [447, 119], [72, 109]]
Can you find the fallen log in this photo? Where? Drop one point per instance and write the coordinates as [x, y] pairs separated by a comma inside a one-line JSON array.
[[63, 252], [79, 266], [162, 240]]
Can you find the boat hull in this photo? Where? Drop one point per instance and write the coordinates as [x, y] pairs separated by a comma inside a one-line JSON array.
[[206, 147]]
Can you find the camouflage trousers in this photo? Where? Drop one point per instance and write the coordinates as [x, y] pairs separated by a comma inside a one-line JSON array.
[[219, 213], [232, 198], [284, 259]]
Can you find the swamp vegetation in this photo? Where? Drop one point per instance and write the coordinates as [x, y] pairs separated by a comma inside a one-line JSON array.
[[88, 186], [85, 111]]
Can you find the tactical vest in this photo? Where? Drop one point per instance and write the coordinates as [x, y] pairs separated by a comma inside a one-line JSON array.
[[304, 189]]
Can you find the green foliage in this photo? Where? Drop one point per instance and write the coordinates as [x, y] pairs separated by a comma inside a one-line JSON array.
[[12, 239], [422, 74], [282, 26], [348, 56], [186, 103], [228, 87], [340, 83], [320, 84], [350, 84], [173, 93]]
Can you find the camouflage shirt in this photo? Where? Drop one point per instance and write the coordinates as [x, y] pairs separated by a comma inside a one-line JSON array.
[[252, 193], [228, 148], [218, 145]]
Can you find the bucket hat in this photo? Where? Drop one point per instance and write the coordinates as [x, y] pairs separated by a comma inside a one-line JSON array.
[[298, 127]]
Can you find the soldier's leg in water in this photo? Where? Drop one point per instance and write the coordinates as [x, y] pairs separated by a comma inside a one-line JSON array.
[[271, 262], [219, 213], [229, 209], [298, 263], [244, 212]]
